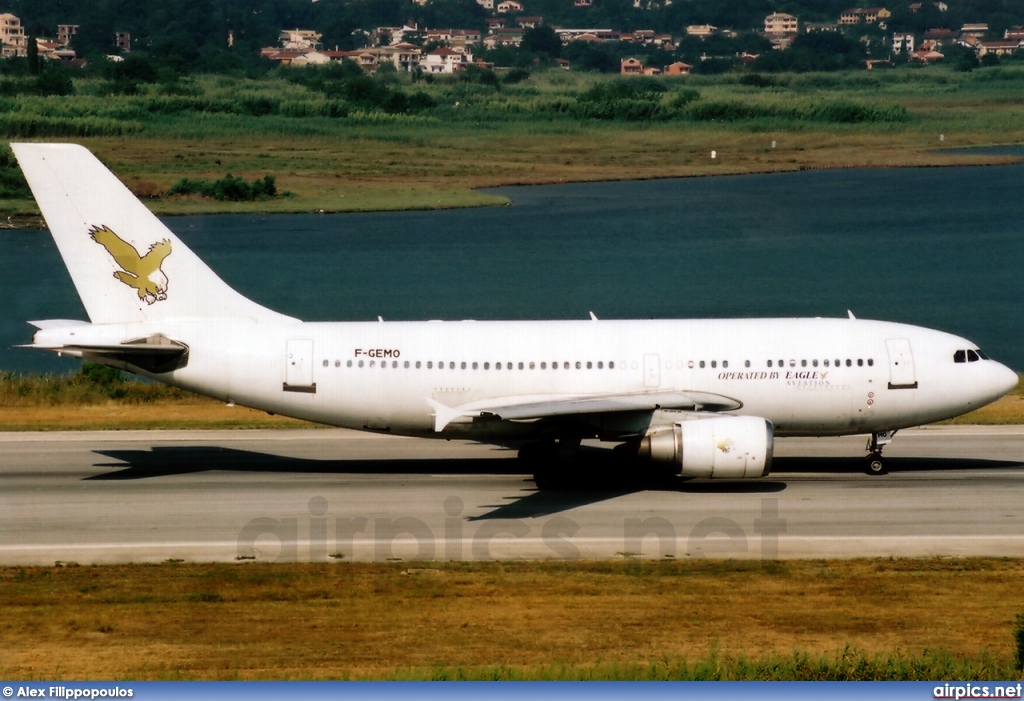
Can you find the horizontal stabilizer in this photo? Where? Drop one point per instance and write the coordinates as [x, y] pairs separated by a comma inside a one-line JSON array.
[[156, 353]]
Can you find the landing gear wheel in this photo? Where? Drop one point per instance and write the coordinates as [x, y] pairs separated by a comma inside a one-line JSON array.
[[542, 458], [875, 464]]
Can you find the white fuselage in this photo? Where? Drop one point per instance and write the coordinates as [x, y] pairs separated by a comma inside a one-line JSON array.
[[806, 376]]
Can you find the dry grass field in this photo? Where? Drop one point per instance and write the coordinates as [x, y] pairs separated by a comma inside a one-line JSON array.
[[814, 619]]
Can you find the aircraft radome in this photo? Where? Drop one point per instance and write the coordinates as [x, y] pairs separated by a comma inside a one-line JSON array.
[[698, 398]]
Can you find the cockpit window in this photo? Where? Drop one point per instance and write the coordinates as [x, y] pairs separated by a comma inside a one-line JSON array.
[[969, 356]]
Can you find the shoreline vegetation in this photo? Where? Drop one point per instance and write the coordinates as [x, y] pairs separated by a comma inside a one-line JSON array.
[[334, 142], [631, 619]]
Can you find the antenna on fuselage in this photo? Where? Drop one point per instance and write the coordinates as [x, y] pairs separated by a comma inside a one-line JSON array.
[[851, 314]]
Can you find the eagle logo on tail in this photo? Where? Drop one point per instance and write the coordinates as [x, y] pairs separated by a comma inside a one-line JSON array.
[[142, 273]]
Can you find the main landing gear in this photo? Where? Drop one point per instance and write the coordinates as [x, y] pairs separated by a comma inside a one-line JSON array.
[[552, 462], [875, 463]]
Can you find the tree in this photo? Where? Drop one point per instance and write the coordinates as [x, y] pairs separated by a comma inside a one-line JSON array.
[[542, 40], [990, 59], [55, 80], [33, 56]]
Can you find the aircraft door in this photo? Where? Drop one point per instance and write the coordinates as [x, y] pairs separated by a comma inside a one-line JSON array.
[[652, 370], [901, 364], [298, 369]]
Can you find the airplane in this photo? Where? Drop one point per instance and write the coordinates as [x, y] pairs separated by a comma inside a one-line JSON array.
[[692, 398]]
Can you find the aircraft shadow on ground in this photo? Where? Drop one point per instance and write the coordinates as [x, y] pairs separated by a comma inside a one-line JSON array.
[[538, 503], [602, 485], [164, 461], [832, 465]]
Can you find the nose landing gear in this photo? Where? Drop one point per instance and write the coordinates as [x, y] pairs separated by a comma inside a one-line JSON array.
[[874, 463]]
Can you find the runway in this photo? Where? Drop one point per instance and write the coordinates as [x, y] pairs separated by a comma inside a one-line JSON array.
[[334, 496]]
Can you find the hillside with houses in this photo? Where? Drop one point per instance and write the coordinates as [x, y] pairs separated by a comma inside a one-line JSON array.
[[631, 37]]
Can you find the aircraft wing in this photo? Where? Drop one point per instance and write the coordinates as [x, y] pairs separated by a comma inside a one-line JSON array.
[[546, 406]]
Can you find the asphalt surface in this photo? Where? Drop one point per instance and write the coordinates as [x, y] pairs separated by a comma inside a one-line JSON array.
[[328, 495]]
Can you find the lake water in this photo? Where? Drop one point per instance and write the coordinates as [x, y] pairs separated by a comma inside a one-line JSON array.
[[939, 247]]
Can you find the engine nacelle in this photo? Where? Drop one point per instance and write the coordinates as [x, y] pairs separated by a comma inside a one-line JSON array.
[[723, 447]]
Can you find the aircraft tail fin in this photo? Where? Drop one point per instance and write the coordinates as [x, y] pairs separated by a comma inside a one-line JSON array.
[[125, 263]]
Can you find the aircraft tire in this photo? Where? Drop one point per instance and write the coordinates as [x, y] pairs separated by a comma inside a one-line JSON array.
[[875, 464]]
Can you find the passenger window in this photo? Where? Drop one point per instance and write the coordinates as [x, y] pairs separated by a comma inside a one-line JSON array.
[[532, 366], [417, 365], [451, 365], [814, 363], [849, 363], [407, 364], [860, 362], [769, 363], [348, 364], [611, 364], [590, 365], [543, 366], [360, 363], [520, 366], [714, 363], [326, 363], [871, 362], [487, 366], [702, 363], [746, 363], [689, 364], [578, 365], [565, 366], [803, 363], [725, 363]]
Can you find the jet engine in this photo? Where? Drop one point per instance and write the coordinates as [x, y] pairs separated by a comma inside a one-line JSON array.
[[723, 447]]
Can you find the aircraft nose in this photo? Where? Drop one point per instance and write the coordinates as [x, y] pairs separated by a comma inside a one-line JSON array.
[[1004, 379]]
